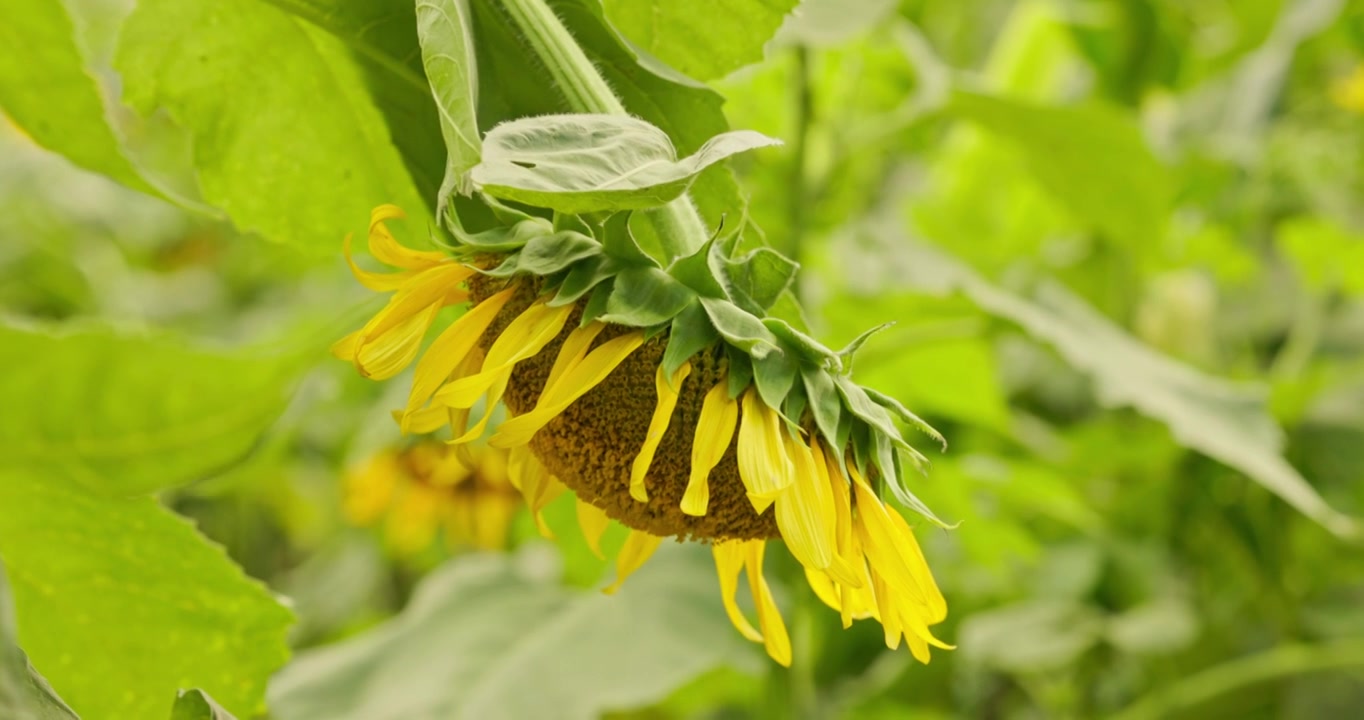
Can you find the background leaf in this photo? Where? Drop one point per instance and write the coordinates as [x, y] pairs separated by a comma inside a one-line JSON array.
[[583, 653], [197, 705], [159, 608], [1224, 421], [138, 413], [24, 694], [46, 89], [1092, 158], [200, 61], [704, 40]]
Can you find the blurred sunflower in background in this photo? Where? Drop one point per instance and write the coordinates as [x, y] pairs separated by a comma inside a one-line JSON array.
[[420, 491]]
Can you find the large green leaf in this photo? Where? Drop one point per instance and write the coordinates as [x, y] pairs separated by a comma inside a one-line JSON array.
[[1092, 158], [704, 40], [382, 38], [46, 90], [139, 413], [122, 603], [1225, 421], [23, 692], [595, 163], [445, 30], [484, 639], [204, 62], [197, 705]]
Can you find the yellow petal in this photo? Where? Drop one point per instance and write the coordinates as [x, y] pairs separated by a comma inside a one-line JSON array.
[[573, 351], [381, 356], [386, 249], [729, 562], [763, 465], [344, 349], [537, 486], [493, 397], [775, 639], [593, 521], [918, 567], [918, 647], [523, 338], [805, 511], [574, 384], [379, 282], [422, 422], [890, 616], [714, 431], [667, 390], [881, 541], [451, 348], [825, 588], [639, 547]]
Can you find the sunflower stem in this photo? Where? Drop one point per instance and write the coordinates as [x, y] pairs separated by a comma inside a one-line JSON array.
[[677, 224]]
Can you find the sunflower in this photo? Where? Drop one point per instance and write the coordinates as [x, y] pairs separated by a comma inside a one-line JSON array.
[[418, 490], [664, 398]]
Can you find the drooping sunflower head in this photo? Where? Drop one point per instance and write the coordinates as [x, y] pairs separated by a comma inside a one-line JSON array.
[[666, 395]]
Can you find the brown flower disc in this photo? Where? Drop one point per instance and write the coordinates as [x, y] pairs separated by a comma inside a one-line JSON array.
[[592, 445]]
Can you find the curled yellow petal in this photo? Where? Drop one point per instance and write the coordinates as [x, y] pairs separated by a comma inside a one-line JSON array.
[[882, 543], [638, 548], [714, 431], [775, 638], [537, 486], [763, 464], [574, 383], [382, 355], [572, 352], [667, 389], [523, 338], [384, 247], [805, 511], [377, 281], [593, 522], [451, 348], [729, 562]]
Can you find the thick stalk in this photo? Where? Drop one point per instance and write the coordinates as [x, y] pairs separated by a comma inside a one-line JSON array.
[[677, 224]]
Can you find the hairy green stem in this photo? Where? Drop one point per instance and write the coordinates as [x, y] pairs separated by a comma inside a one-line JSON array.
[[678, 225]]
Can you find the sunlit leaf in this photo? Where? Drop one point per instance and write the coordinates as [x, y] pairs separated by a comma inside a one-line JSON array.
[[482, 638], [1092, 158], [24, 693], [202, 62], [158, 606], [46, 90], [139, 413], [197, 705], [704, 40]]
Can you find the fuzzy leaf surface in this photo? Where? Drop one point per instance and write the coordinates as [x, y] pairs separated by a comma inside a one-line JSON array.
[[479, 626], [595, 163]]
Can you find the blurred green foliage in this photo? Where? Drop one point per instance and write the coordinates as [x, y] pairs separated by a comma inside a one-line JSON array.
[[1122, 241]]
